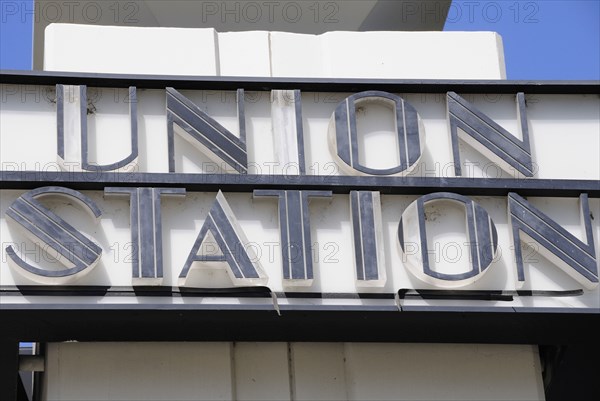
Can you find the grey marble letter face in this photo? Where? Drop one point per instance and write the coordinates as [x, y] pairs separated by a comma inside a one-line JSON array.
[[365, 214], [146, 231], [294, 227], [482, 240], [205, 133], [573, 256], [75, 251], [240, 261], [343, 136], [489, 138]]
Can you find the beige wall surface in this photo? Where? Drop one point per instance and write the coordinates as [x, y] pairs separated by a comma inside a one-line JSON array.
[[291, 371]]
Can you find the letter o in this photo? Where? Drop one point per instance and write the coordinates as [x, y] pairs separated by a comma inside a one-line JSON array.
[[481, 233], [343, 136]]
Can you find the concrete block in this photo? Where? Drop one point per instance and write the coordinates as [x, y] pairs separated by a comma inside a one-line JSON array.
[[129, 50], [296, 55], [244, 54], [194, 51]]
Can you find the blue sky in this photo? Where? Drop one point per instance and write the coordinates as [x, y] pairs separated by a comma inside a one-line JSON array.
[[544, 39], [15, 35], [549, 39]]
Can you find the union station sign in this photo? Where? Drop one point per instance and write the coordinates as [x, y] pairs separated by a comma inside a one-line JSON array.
[[378, 192]]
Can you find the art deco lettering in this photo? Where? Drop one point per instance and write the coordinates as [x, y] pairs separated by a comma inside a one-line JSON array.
[[221, 241]]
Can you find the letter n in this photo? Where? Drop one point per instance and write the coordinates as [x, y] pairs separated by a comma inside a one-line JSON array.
[[205, 133], [574, 257], [489, 138]]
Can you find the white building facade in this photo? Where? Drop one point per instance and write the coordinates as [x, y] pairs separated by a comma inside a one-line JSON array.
[[349, 215]]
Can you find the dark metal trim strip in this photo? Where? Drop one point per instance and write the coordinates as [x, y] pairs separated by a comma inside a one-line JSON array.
[[338, 184], [303, 84]]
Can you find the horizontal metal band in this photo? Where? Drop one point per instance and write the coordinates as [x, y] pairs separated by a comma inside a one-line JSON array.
[[265, 292], [304, 84], [158, 322], [337, 184]]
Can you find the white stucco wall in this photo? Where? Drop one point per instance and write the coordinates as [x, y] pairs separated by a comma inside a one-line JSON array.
[[203, 51]]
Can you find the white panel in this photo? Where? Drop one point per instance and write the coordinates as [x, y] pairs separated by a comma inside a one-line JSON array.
[[443, 372], [152, 122], [413, 55], [319, 371], [244, 54], [418, 55], [28, 116], [290, 53], [138, 371], [376, 134], [129, 50], [199, 51], [558, 129], [261, 371]]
